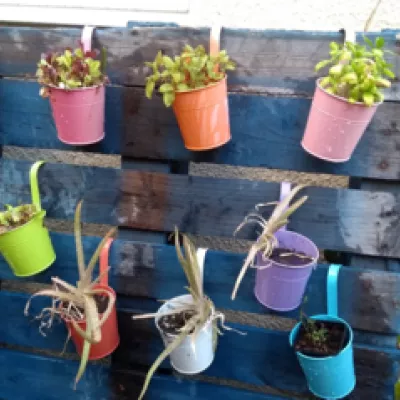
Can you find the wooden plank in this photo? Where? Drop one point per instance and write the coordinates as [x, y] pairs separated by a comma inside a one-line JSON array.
[[36, 377], [137, 351], [381, 263], [61, 187], [26, 119], [44, 376], [266, 359], [282, 61], [336, 219], [127, 49], [262, 136], [145, 129], [141, 270]]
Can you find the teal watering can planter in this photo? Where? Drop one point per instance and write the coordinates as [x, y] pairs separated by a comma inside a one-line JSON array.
[[330, 377], [28, 249]]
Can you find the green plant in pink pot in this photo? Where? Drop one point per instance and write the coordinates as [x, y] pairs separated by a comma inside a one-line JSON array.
[[74, 82]]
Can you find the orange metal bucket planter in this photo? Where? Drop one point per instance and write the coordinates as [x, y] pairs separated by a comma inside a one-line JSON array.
[[109, 330], [203, 116]]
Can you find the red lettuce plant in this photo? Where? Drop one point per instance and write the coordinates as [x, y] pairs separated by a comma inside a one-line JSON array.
[[71, 70]]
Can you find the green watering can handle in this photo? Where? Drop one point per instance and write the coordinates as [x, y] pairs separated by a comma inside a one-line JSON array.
[[33, 177]]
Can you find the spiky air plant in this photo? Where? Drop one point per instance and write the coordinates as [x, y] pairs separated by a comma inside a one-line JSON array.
[[267, 241], [201, 309], [13, 217], [76, 304]]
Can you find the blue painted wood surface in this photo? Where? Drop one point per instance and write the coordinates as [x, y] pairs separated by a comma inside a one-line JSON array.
[[61, 187], [348, 220], [281, 61], [36, 377], [142, 270], [262, 357], [337, 219], [266, 132], [262, 135]]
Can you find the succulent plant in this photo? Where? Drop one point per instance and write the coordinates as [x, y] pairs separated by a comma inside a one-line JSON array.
[[77, 303], [358, 72], [194, 68], [14, 217], [71, 69], [267, 241]]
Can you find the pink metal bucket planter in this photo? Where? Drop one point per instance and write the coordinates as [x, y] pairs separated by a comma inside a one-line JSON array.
[[79, 114], [335, 126]]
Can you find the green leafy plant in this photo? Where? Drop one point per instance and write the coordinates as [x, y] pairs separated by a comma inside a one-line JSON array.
[[193, 69], [71, 69], [77, 303], [13, 217], [318, 336], [267, 241], [358, 72], [200, 311]]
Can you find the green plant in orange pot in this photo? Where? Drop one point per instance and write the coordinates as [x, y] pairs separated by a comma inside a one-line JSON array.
[[194, 84]]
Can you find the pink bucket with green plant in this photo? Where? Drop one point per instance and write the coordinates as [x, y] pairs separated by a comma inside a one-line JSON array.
[[346, 99], [74, 82]]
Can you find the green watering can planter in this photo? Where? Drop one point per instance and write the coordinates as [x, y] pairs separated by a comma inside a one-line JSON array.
[[27, 248]]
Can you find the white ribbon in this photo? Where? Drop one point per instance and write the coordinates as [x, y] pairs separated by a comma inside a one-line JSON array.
[[86, 38]]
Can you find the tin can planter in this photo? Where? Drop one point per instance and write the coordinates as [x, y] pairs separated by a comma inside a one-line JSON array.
[[28, 249], [109, 330], [193, 355], [203, 116], [335, 126], [280, 287], [330, 377], [79, 114]]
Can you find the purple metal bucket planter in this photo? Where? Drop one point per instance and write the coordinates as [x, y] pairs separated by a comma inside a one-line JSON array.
[[280, 287]]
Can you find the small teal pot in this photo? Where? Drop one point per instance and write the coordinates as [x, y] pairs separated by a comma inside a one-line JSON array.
[[328, 377]]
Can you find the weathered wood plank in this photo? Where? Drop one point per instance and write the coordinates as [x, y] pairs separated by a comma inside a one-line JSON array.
[[336, 219], [26, 119], [347, 220], [263, 135], [266, 359], [250, 356], [141, 270], [127, 49], [44, 378], [282, 61], [39, 378], [61, 187]]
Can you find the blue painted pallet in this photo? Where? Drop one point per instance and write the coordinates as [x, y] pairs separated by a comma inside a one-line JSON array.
[[281, 61], [337, 219], [262, 135], [346, 220], [36, 377], [141, 270], [262, 357]]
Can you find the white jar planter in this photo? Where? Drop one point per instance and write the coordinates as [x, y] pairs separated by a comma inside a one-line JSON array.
[[192, 356]]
